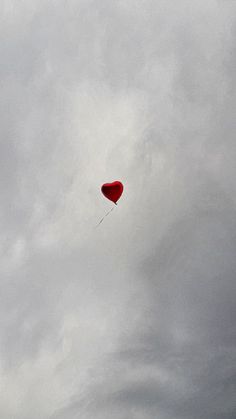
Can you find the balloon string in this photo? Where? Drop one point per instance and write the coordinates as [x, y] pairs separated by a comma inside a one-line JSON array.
[[105, 216]]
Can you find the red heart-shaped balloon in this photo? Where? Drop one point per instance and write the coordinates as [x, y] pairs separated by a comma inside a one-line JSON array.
[[112, 191]]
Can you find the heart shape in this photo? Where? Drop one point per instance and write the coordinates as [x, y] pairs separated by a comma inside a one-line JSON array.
[[112, 191]]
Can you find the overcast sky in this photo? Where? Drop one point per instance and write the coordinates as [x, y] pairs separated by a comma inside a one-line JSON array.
[[135, 319]]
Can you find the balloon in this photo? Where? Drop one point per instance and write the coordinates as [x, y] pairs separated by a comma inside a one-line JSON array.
[[112, 191]]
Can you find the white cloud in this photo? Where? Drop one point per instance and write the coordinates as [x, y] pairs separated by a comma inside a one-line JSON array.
[[136, 318]]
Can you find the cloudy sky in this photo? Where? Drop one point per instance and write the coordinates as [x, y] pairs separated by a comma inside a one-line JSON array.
[[135, 319]]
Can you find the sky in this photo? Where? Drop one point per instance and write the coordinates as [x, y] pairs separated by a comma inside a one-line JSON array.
[[135, 319]]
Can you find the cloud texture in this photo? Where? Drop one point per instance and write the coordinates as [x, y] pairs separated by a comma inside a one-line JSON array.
[[135, 319]]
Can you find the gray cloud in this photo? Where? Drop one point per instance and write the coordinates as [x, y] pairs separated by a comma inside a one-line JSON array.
[[135, 319]]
